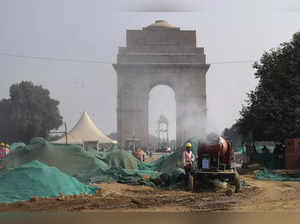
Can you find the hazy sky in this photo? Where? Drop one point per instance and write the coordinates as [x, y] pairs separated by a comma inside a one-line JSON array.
[[231, 30]]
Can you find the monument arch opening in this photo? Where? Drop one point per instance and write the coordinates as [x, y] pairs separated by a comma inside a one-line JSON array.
[[162, 117], [160, 54]]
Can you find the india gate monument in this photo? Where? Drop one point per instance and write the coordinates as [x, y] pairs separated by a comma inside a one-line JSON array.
[[160, 54]]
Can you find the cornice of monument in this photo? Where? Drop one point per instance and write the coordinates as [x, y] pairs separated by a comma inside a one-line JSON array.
[[155, 66], [198, 65]]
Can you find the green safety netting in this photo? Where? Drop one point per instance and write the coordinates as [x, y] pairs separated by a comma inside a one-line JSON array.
[[125, 168], [114, 165], [259, 148], [268, 160], [239, 150], [122, 167], [71, 159], [118, 159], [268, 175], [171, 162], [37, 179], [16, 145], [87, 166]]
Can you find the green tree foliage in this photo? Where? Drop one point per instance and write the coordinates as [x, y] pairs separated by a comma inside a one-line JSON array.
[[233, 135], [28, 113], [273, 108], [7, 129], [113, 136]]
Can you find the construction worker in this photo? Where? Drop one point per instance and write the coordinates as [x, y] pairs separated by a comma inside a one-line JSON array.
[[6, 149], [187, 159], [2, 151], [139, 154]]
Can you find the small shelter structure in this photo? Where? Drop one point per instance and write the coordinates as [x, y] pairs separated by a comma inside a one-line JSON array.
[[86, 133]]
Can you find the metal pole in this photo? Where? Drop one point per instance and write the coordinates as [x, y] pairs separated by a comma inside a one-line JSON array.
[[218, 160], [168, 133], [66, 133]]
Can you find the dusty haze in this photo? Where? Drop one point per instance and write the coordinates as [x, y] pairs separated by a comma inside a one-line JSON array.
[[89, 30]]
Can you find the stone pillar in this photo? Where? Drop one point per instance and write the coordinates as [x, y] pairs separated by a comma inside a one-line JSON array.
[[191, 106], [180, 113], [132, 110]]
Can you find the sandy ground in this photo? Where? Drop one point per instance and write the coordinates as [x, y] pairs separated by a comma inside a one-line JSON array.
[[260, 196], [127, 198], [273, 196]]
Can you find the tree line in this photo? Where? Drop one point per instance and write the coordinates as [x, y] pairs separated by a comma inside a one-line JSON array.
[[272, 110], [28, 112]]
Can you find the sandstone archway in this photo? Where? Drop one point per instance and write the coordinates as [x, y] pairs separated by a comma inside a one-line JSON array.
[[160, 54]]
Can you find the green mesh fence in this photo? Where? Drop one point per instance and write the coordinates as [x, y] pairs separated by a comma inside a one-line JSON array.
[[268, 160], [38, 179], [268, 175]]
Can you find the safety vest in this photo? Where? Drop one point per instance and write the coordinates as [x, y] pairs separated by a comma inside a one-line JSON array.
[[6, 151], [139, 155], [187, 160], [188, 156]]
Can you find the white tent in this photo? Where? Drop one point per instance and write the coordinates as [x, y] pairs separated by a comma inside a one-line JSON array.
[[85, 131]]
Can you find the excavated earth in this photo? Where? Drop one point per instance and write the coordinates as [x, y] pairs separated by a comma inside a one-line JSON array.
[[122, 197], [260, 196]]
